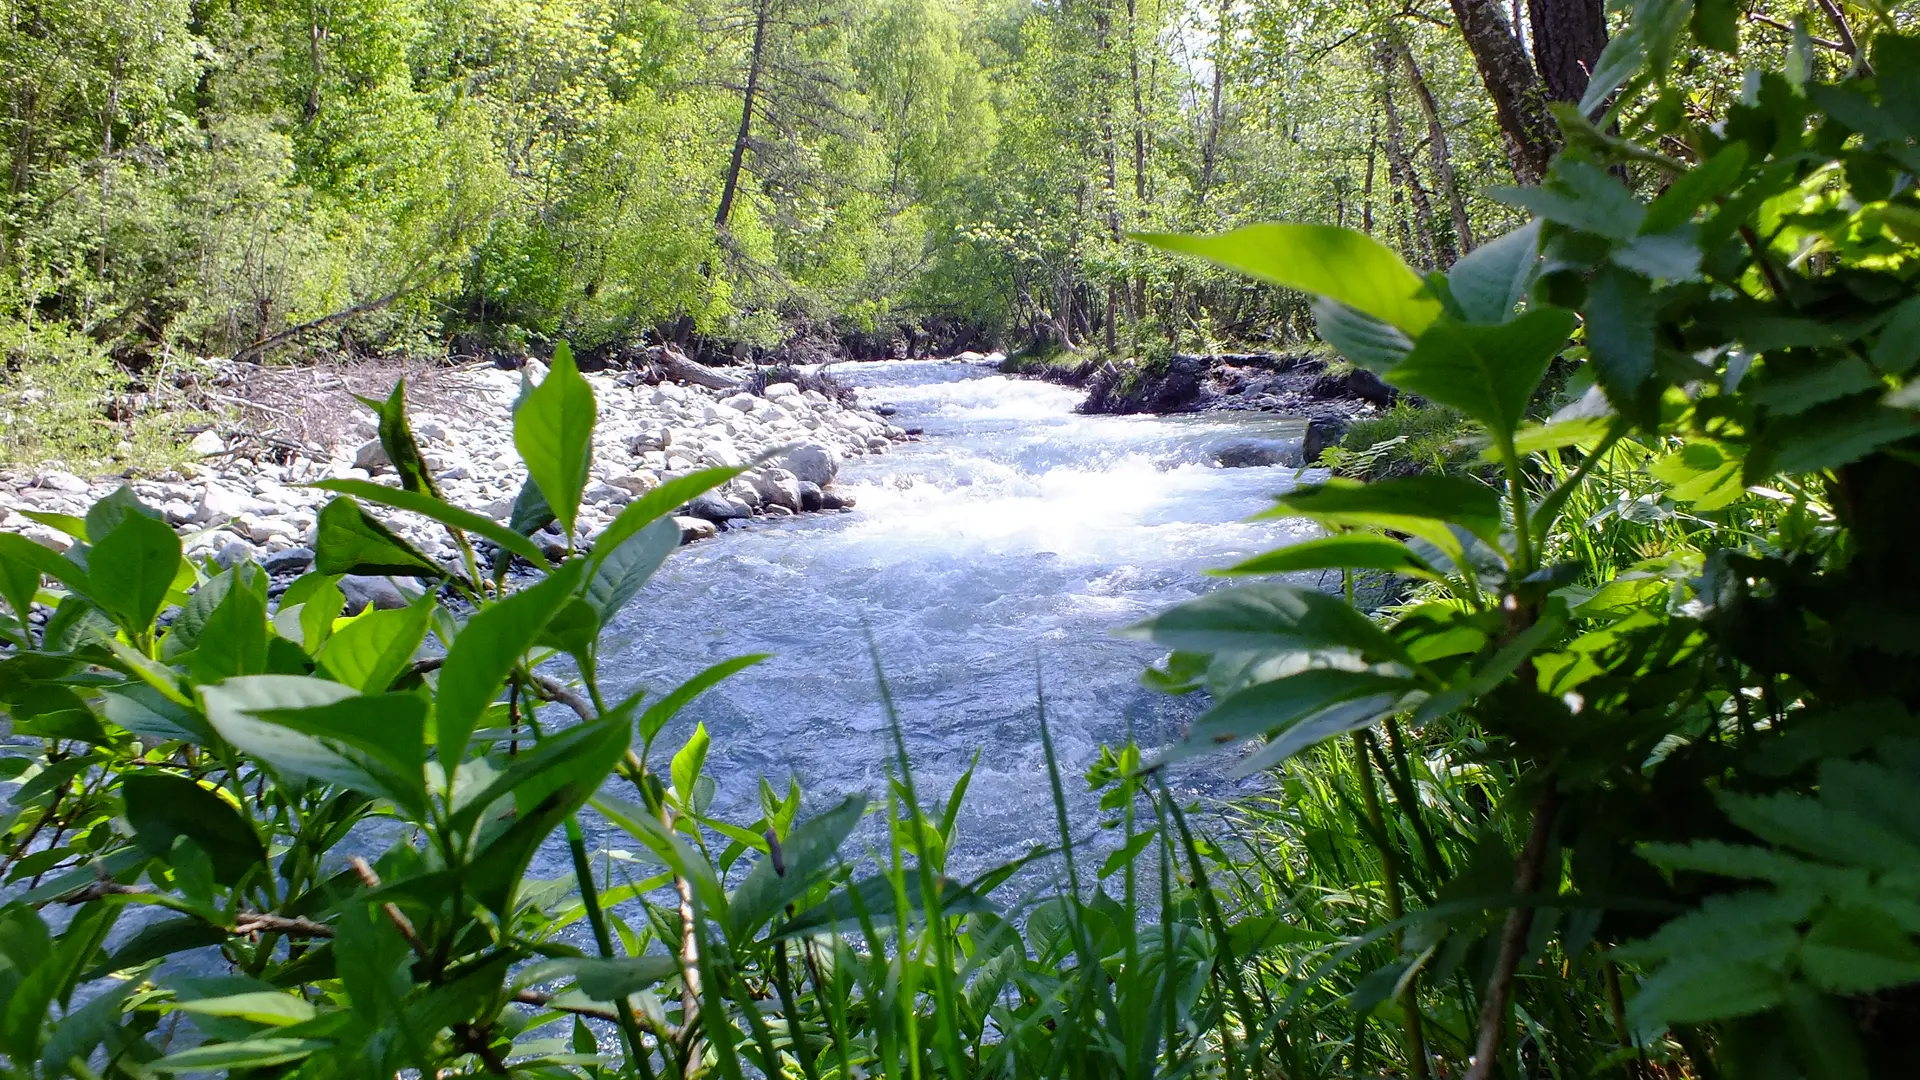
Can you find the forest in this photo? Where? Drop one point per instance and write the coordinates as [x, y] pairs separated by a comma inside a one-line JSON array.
[[1562, 719]]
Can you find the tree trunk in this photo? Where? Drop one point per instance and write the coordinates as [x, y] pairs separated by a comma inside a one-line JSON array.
[[1519, 98], [1425, 247], [762, 11], [1437, 147], [1567, 38], [1210, 148], [1366, 192]]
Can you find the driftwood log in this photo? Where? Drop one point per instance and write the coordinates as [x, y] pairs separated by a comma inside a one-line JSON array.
[[674, 364]]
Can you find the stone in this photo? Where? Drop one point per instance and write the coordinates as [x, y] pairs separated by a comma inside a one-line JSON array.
[[56, 480], [383, 593], [776, 510], [178, 512], [811, 497], [371, 456], [776, 391], [607, 493], [458, 472], [293, 560], [814, 462], [1248, 455], [234, 553], [742, 402], [225, 504], [722, 455], [260, 528], [834, 500], [776, 487], [636, 483], [1322, 432], [208, 442], [878, 442], [716, 507], [431, 429], [693, 528]]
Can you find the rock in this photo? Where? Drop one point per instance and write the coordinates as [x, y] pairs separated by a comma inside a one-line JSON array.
[[776, 510], [776, 391], [458, 472], [637, 483], [742, 402], [234, 553], [833, 500], [293, 560], [811, 498], [56, 480], [383, 593], [693, 528], [224, 504], [878, 442], [178, 512], [776, 487], [815, 463], [607, 493], [371, 456], [431, 429], [1322, 432], [207, 442], [716, 507], [261, 528], [1248, 455]]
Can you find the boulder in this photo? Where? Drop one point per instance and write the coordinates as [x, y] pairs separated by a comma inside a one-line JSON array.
[[834, 500], [225, 504], [811, 497], [776, 391], [1248, 455], [715, 507], [776, 487], [636, 483], [1321, 433], [383, 593], [234, 553], [294, 560], [207, 442], [815, 463], [56, 480], [371, 456], [693, 528], [607, 493]]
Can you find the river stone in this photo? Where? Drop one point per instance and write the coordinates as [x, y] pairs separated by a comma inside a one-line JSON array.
[[207, 442], [608, 493], [371, 456], [1321, 433], [56, 480], [224, 504], [1248, 455], [812, 462], [693, 528], [636, 483], [811, 497], [294, 560], [382, 592], [234, 553], [716, 507], [834, 500]]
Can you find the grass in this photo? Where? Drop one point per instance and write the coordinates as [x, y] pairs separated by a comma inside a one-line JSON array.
[[1405, 439]]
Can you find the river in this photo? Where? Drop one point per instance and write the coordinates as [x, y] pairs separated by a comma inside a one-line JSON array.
[[993, 558]]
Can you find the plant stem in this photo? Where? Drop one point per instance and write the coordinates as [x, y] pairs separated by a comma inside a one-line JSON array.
[[1513, 937], [597, 919], [1396, 901]]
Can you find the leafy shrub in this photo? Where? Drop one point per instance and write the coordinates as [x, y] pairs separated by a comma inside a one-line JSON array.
[[1406, 438], [1698, 762]]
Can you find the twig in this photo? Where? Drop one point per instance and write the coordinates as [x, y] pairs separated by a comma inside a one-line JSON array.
[[1825, 43], [392, 910], [1513, 937], [261, 922], [546, 689]]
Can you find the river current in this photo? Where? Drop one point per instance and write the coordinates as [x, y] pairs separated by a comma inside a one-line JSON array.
[[989, 562]]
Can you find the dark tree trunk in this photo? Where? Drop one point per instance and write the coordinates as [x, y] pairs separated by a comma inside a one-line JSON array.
[[1437, 147], [1426, 246], [1519, 98], [1567, 38], [763, 11]]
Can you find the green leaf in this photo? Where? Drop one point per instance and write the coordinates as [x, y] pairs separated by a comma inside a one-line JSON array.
[[259, 1007], [1620, 333], [1361, 338], [657, 504], [239, 709], [1340, 264], [1487, 372], [375, 744], [1348, 551], [164, 806], [1269, 617], [487, 648], [614, 979], [371, 651], [52, 978], [145, 711], [396, 438], [1583, 196], [106, 515], [571, 756], [553, 430], [431, 506], [233, 641], [1703, 473], [349, 542], [668, 707], [1854, 950], [1280, 704], [688, 761], [618, 574], [22, 565], [873, 899], [1491, 281], [530, 512], [1697, 993], [1695, 189], [131, 568], [1409, 504], [243, 1054], [1898, 347], [807, 857], [1716, 24]]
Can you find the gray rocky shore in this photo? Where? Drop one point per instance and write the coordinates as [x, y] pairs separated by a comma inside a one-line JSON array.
[[244, 498]]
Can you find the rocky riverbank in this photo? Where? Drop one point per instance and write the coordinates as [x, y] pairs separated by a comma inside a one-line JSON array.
[[244, 497]]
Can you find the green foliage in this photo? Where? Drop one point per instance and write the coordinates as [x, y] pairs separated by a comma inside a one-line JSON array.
[[1688, 582]]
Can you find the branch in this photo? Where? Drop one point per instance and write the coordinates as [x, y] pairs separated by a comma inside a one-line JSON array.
[[1513, 937]]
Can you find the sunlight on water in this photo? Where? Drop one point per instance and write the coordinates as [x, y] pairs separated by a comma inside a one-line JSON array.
[[996, 556]]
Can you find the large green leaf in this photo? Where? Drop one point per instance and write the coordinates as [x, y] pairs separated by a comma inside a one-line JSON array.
[[620, 572], [349, 542], [487, 648], [131, 568], [371, 651], [582, 754], [1620, 312], [1269, 617], [1581, 195], [1361, 338], [1487, 372], [233, 639], [1276, 705], [1489, 283], [614, 979], [1316, 727], [1408, 504], [162, 807], [396, 438], [806, 857], [1349, 551], [22, 565], [688, 762], [553, 430], [238, 1055], [375, 744], [1340, 264], [431, 506]]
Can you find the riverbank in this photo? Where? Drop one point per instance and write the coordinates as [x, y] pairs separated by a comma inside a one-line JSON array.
[[244, 496]]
